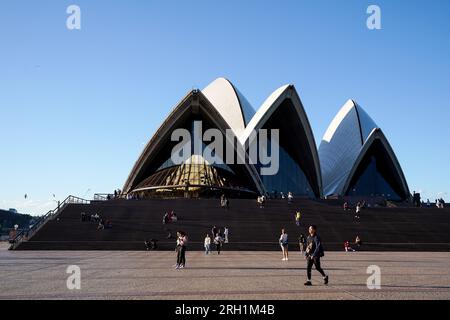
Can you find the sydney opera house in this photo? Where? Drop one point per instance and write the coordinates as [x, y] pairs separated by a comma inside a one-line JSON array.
[[353, 159]]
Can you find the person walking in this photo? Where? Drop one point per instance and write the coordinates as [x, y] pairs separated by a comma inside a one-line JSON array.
[[301, 243], [214, 231], [314, 251], [207, 244], [297, 218], [284, 244], [218, 241]]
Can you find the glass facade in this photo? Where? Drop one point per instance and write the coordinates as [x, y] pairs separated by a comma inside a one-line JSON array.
[[297, 169], [371, 183], [197, 159], [196, 171], [192, 179], [290, 178], [376, 176], [195, 176]]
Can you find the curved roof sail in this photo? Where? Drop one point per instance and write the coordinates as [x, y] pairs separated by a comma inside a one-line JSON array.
[[283, 110], [344, 145], [230, 103]]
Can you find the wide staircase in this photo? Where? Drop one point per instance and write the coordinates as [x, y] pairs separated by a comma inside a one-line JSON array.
[[251, 227]]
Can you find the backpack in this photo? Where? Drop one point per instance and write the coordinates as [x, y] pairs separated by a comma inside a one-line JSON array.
[[321, 250], [310, 245]]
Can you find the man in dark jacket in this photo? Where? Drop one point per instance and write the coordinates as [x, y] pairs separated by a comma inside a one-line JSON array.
[[314, 251]]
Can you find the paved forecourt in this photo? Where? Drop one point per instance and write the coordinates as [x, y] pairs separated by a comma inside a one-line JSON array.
[[231, 275]]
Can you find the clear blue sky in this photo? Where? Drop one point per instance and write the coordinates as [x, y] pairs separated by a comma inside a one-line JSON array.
[[76, 106]]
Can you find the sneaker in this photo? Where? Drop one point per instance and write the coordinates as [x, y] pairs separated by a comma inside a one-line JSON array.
[[177, 266], [287, 259], [308, 283], [181, 267], [283, 259], [325, 280]]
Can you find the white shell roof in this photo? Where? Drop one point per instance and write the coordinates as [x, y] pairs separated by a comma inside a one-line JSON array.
[[342, 144], [266, 111], [263, 112], [230, 103]]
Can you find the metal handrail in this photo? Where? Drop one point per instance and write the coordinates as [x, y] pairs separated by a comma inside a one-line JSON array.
[[26, 234], [102, 196], [106, 196]]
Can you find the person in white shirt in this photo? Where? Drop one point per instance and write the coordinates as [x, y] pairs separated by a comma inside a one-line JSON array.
[[207, 244], [290, 197], [218, 240], [284, 245], [225, 234]]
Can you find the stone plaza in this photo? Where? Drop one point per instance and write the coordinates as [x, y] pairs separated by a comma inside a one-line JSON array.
[[230, 275]]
